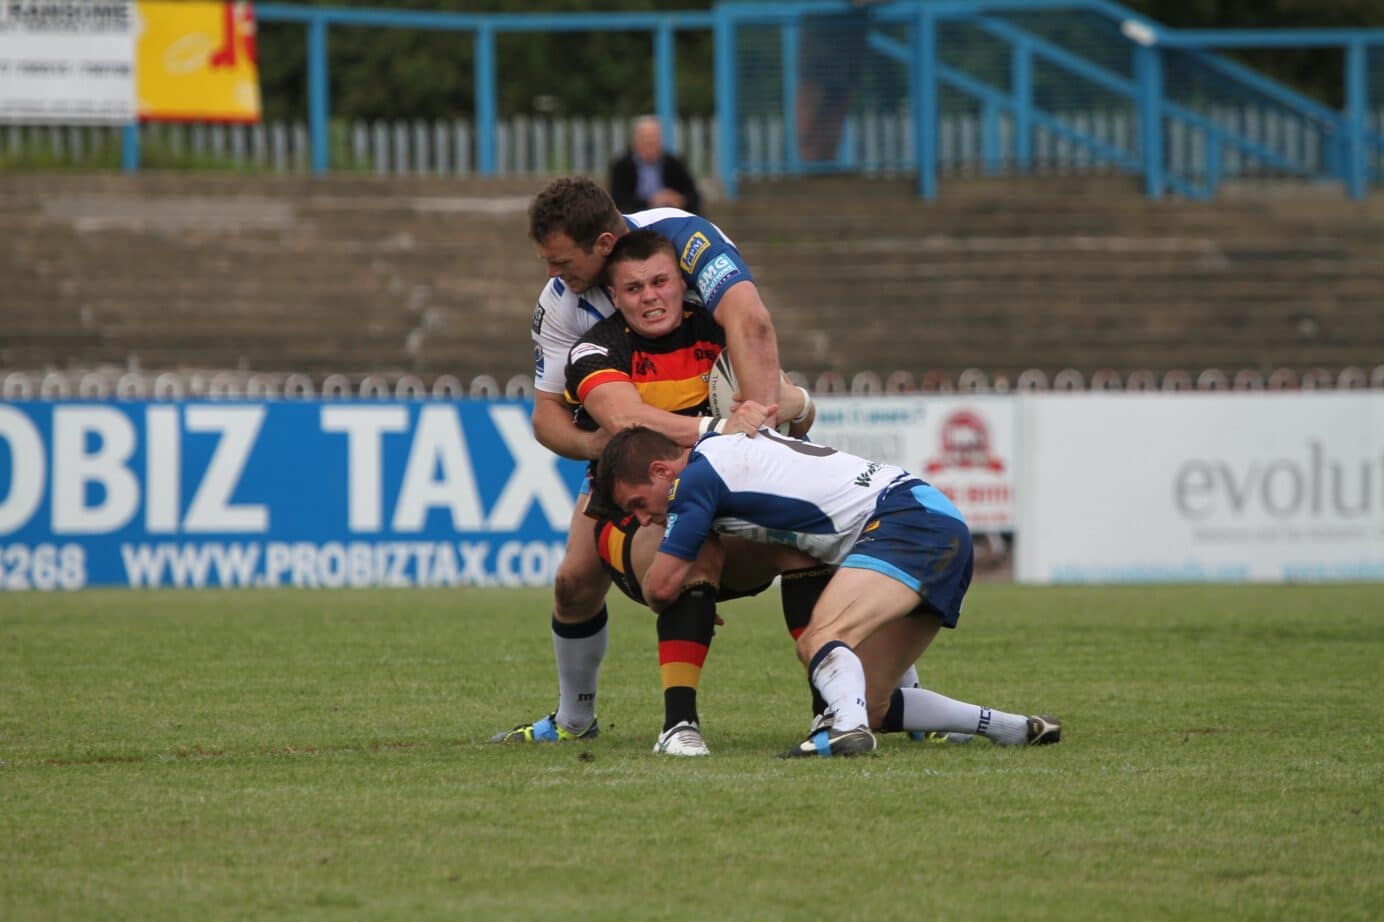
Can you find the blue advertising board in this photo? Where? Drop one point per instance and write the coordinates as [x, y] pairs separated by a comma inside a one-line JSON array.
[[279, 493]]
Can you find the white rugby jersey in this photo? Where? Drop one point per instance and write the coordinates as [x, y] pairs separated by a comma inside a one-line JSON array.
[[776, 490], [710, 265]]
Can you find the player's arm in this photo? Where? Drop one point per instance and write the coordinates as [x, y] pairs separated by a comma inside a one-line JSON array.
[[616, 405], [690, 516], [557, 326], [663, 581], [714, 269], [556, 431], [751, 342]]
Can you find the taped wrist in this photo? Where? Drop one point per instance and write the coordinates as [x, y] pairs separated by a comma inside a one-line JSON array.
[[807, 406], [707, 424]]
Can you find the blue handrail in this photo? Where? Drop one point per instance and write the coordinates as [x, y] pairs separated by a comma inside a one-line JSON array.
[[1146, 91]]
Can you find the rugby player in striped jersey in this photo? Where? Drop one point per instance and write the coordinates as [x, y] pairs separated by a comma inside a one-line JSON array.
[[574, 224], [648, 365]]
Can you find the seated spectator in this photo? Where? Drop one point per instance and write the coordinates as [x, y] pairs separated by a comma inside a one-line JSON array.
[[647, 176]]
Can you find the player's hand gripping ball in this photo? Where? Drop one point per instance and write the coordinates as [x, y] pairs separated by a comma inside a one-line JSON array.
[[723, 393]]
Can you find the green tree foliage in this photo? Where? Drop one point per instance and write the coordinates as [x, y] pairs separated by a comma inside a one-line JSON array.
[[387, 73]]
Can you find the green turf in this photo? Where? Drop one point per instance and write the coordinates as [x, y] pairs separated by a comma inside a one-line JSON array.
[[319, 754]]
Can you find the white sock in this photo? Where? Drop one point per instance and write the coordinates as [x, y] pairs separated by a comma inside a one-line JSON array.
[[579, 649], [910, 678], [1003, 727], [927, 710], [840, 678]]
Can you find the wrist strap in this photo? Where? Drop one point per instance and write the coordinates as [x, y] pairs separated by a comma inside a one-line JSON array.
[[710, 424], [807, 406]]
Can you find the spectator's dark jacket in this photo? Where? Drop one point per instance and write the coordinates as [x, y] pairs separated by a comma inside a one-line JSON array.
[[624, 183]]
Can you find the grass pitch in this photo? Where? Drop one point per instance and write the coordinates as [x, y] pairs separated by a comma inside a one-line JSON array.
[[322, 754]]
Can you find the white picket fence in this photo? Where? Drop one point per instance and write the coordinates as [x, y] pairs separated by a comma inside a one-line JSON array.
[[876, 143]]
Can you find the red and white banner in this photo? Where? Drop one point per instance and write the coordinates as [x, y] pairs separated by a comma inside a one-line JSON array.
[[964, 446]]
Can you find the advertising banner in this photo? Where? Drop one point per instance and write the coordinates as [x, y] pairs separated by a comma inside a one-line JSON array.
[[197, 61], [67, 61], [1207, 487], [279, 493], [964, 446]]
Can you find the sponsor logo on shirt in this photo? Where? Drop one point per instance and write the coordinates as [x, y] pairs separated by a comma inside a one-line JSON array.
[[537, 359], [668, 528], [692, 251], [585, 350], [863, 478], [538, 313], [715, 276]]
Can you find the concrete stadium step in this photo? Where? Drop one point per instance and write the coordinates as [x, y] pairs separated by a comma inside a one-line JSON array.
[[361, 274]]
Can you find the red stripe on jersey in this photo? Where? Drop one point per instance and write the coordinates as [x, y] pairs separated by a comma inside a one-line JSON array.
[[596, 379]]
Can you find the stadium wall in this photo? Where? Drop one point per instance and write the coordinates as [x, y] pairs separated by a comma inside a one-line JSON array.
[[1096, 487]]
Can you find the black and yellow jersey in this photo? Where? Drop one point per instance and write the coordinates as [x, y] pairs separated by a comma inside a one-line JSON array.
[[670, 372]]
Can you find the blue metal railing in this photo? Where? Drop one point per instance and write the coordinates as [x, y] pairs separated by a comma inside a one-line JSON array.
[[1146, 89], [1325, 143]]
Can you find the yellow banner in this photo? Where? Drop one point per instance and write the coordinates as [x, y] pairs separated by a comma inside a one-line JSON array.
[[195, 61]]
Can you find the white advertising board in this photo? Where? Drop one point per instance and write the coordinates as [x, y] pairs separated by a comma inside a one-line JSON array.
[[964, 446], [1191, 488], [67, 61]]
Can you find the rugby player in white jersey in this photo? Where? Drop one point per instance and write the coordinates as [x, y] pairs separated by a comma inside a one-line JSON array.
[[574, 224], [903, 553]]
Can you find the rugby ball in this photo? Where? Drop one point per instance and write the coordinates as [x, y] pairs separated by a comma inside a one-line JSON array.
[[721, 387], [721, 390]]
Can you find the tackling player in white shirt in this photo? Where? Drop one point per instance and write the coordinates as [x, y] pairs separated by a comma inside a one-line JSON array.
[[903, 550]]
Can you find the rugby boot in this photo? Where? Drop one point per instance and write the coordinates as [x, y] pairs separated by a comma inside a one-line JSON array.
[[830, 741], [682, 739], [1043, 730], [545, 730]]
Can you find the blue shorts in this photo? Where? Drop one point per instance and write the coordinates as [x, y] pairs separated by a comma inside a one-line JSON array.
[[920, 539]]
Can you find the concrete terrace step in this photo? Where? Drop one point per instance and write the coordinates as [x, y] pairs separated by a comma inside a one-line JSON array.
[[358, 274]]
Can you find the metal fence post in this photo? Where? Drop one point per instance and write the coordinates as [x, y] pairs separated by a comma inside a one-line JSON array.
[[788, 40], [1021, 78], [923, 85], [319, 104], [989, 138], [485, 100], [665, 85], [129, 147], [727, 131], [1357, 104], [1148, 72]]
